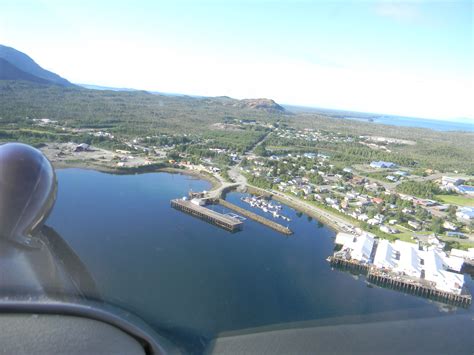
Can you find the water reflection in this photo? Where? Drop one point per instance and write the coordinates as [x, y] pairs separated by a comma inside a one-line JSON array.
[[191, 280]]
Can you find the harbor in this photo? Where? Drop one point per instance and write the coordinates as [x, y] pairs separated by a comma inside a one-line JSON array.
[[266, 206], [195, 202], [265, 221]]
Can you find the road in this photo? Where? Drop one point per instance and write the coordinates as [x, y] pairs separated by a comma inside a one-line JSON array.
[[337, 222]]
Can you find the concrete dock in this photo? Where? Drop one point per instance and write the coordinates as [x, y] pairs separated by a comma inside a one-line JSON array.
[[265, 221], [226, 222]]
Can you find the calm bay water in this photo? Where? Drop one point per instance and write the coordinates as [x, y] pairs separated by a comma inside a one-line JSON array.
[[193, 280], [437, 125]]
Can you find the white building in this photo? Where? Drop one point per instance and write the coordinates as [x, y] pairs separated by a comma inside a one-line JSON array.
[[359, 247], [447, 180], [466, 213], [198, 202], [430, 265], [464, 254], [386, 255], [449, 225]]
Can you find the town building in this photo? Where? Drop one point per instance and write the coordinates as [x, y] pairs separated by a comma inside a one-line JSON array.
[[465, 213], [382, 164]]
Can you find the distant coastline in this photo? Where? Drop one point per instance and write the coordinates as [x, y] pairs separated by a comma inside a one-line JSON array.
[[400, 121]]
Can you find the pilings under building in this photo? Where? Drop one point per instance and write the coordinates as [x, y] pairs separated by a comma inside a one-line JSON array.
[[400, 283]]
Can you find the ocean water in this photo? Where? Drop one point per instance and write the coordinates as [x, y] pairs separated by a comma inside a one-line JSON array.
[[437, 125], [192, 281]]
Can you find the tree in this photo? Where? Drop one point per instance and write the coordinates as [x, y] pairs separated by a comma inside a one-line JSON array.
[[371, 212], [421, 213], [452, 211], [316, 179], [260, 150], [437, 225]]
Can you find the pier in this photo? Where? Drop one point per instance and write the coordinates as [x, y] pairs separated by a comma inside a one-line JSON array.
[[386, 279], [349, 264], [265, 221], [417, 287], [226, 222]]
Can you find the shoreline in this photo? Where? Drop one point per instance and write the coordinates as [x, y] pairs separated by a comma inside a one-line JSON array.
[[321, 216], [215, 183]]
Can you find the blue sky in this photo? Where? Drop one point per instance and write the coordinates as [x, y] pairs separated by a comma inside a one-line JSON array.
[[410, 58]]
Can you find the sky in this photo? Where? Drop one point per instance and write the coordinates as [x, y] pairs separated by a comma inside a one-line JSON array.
[[412, 58]]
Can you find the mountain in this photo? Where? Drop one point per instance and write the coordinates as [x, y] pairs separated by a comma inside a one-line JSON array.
[[261, 104], [9, 72], [267, 105], [26, 68]]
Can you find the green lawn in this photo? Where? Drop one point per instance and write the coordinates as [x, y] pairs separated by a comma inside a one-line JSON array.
[[456, 200]]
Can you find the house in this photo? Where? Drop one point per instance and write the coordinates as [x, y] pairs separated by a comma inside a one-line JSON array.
[[456, 235], [307, 189], [426, 203], [465, 189], [379, 217], [401, 173], [388, 230], [373, 221], [392, 178], [83, 147], [466, 213], [382, 164], [449, 225], [362, 201], [358, 180], [447, 180], [415, 225], [331, 201], [377, 200]]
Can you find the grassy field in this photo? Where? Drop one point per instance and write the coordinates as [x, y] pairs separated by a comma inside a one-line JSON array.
[[456, 200]]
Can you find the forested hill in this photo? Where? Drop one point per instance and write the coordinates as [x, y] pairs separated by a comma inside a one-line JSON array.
[[10, 72], [136, 112], [27, 68]]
